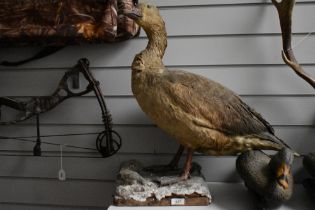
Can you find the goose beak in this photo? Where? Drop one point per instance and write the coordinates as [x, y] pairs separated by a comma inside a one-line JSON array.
[[134, 13], [283, 173]]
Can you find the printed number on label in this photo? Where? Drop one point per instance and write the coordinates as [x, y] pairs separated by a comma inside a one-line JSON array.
[[178, 201]]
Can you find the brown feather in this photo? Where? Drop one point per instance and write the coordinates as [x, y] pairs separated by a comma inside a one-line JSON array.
[[199, 113], [210, 101]]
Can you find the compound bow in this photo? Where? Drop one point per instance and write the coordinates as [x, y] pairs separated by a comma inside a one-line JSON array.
[[42, 104]]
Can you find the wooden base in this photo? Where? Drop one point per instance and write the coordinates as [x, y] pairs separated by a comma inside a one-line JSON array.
[[235, 196], [159, 186], [174, 200]]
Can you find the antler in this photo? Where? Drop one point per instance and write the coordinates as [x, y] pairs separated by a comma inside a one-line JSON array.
[[285, 8]]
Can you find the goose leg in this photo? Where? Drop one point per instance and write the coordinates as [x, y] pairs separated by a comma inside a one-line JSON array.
[[174, 162], [188, 163], [185, 173], [170, 167]]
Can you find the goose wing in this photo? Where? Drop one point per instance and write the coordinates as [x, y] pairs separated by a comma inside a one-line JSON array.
[[213, 105]]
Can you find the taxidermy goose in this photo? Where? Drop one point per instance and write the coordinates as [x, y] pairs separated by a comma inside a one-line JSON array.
[[200, 114], [270, 178]]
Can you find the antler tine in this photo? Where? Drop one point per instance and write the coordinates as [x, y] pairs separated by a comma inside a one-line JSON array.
[[297, 68], [285, 9]]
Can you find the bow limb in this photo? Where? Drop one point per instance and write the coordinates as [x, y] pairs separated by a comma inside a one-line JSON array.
[[285, 10], [41, 104], [17, 105], [112, 142], [10, 102], [94, 86]]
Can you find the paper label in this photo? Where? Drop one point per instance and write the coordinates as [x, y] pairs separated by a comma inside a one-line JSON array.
[[178, 201]]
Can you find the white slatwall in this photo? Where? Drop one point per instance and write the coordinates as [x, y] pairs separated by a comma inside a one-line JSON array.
[[235, 42]]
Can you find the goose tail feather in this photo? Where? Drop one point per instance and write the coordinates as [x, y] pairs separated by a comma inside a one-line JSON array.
[[274, 139]]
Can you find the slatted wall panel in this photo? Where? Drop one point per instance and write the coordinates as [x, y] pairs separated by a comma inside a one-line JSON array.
[[235, 42]]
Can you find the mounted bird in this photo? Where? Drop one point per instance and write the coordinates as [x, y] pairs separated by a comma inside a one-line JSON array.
[[201, 114], [269, 178]]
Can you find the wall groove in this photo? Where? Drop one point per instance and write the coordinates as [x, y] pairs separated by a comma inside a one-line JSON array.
[[234, 42]]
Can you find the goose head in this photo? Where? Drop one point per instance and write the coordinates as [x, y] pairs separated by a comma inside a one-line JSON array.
[[280, 165], [146, 16]]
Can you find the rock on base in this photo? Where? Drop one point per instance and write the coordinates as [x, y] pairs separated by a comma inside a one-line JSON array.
[[137, 186]]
